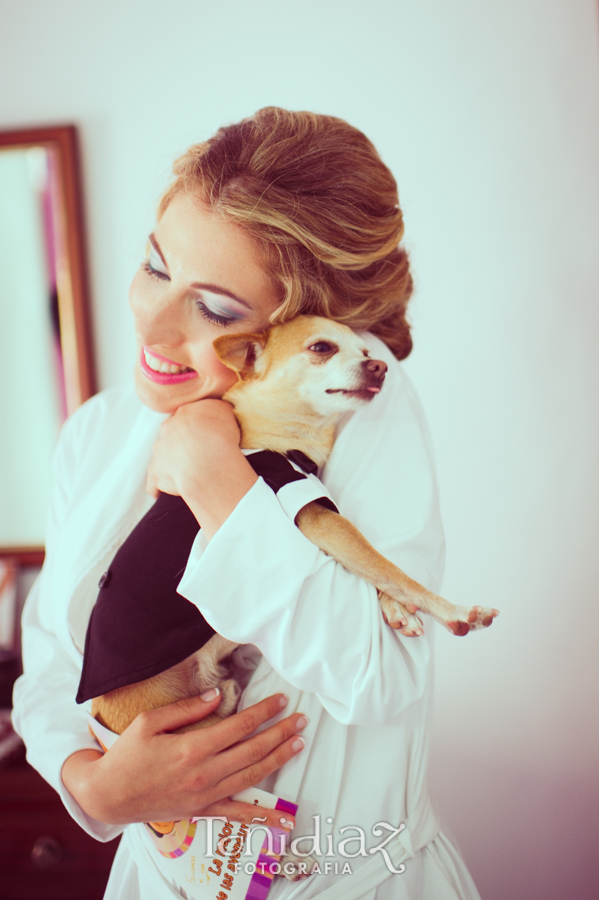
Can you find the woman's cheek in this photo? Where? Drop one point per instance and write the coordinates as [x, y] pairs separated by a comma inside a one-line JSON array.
[[215, 377], [220, 379], [136, 294]]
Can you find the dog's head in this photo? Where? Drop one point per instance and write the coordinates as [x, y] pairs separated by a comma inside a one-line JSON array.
[[321, 362]]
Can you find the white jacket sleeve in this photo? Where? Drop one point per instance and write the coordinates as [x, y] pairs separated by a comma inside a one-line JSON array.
[[260, 581], [45, 714]]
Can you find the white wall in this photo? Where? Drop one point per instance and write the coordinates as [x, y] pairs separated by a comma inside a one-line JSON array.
[[488, 113]]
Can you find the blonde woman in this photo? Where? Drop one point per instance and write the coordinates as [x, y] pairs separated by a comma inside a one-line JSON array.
[[283, 213]]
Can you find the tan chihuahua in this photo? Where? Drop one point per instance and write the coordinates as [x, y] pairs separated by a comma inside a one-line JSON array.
[[294, 383]]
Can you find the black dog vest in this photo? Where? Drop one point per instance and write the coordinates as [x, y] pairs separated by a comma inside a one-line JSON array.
[[140, 626]]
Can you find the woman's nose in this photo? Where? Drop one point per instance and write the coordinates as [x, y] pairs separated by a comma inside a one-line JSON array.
[[162, 323]]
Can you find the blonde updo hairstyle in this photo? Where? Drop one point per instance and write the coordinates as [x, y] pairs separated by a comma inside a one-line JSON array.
[[323, 209]]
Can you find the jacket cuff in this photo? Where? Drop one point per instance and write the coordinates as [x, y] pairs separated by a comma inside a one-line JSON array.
[[49, 756], [258, 528]]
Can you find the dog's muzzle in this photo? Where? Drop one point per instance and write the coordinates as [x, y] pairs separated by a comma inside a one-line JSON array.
[[374, 372]]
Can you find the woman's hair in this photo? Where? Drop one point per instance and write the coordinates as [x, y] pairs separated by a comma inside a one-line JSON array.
[[323, 208]]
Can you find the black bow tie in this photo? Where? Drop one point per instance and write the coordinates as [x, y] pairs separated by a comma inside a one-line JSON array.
[[140, 624], [304, 462]]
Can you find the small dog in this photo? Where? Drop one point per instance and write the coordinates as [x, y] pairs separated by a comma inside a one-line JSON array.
[[294, 383]]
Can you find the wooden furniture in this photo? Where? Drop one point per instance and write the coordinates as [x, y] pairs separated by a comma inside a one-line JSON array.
[[44, 854]]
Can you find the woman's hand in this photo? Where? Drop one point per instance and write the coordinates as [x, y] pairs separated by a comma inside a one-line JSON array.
[[197, 456], [154, 775]]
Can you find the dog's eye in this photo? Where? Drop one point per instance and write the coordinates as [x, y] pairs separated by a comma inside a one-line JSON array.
[[323, 347]]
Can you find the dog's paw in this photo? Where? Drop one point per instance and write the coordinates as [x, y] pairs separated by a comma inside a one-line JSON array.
[[296, 868], [461, 621], [399, 617]]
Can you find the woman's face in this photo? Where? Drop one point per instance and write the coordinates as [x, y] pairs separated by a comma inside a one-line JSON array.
[[202, 279]]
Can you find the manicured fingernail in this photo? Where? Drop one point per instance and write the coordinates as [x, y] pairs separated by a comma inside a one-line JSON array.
[[301, 722], [210, 695], [297, 745], [283, 700], [287, 823]]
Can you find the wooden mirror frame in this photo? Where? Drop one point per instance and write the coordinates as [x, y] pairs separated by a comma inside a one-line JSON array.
[[71, 277]]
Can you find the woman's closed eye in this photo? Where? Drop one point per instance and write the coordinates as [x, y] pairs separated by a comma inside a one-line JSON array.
[[215, 311], [218, 308], [154, 266], [213, 307]]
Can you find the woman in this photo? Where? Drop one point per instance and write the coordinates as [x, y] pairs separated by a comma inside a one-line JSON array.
[[285, 213]]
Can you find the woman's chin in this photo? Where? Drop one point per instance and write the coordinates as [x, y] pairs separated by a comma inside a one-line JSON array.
[[160, 398]]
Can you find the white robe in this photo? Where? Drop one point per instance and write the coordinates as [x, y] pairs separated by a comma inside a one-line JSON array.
[[366, 689]]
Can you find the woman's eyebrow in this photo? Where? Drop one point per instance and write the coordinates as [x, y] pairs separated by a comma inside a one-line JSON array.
[[213, 288], [156, 247]]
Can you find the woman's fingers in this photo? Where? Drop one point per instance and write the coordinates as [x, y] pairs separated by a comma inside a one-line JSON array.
[[154, 774], [179, 714], [235, 763], [254, 750], [236, 811], [239, 726], [151, 485], [256, 772]]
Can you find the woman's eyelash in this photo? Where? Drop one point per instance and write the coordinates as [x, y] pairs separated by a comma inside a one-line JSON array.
[[213, 317], [153, 273]]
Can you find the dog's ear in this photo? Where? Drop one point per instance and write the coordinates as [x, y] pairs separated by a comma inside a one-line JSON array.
[[240, 351]]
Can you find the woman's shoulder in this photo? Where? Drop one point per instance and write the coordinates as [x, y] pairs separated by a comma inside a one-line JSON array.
[[387, 441], [106, 411], [115, 400], [397, 410], [103, 422], [381, 471]]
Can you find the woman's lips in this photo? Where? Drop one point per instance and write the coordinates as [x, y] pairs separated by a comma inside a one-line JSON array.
[[163, 377]]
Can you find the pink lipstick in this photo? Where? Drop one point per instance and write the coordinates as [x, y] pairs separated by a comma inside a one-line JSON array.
[[163, 377]]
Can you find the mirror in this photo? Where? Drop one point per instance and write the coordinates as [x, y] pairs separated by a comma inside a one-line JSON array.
[[46, 368]]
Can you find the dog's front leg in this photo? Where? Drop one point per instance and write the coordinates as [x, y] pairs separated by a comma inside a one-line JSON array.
[[400, 595]]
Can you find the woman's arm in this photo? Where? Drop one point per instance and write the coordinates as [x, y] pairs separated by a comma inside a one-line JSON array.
[[260, 580], [44, 710], [55, 730], [150, 774]]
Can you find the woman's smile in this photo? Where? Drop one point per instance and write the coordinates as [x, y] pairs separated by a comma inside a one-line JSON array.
[[202, 275], [162, 370]]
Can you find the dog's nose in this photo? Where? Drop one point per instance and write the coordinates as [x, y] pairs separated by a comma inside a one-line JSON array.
[[376, 367]]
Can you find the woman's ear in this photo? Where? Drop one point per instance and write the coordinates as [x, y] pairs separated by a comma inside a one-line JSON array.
[[240, 351]]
